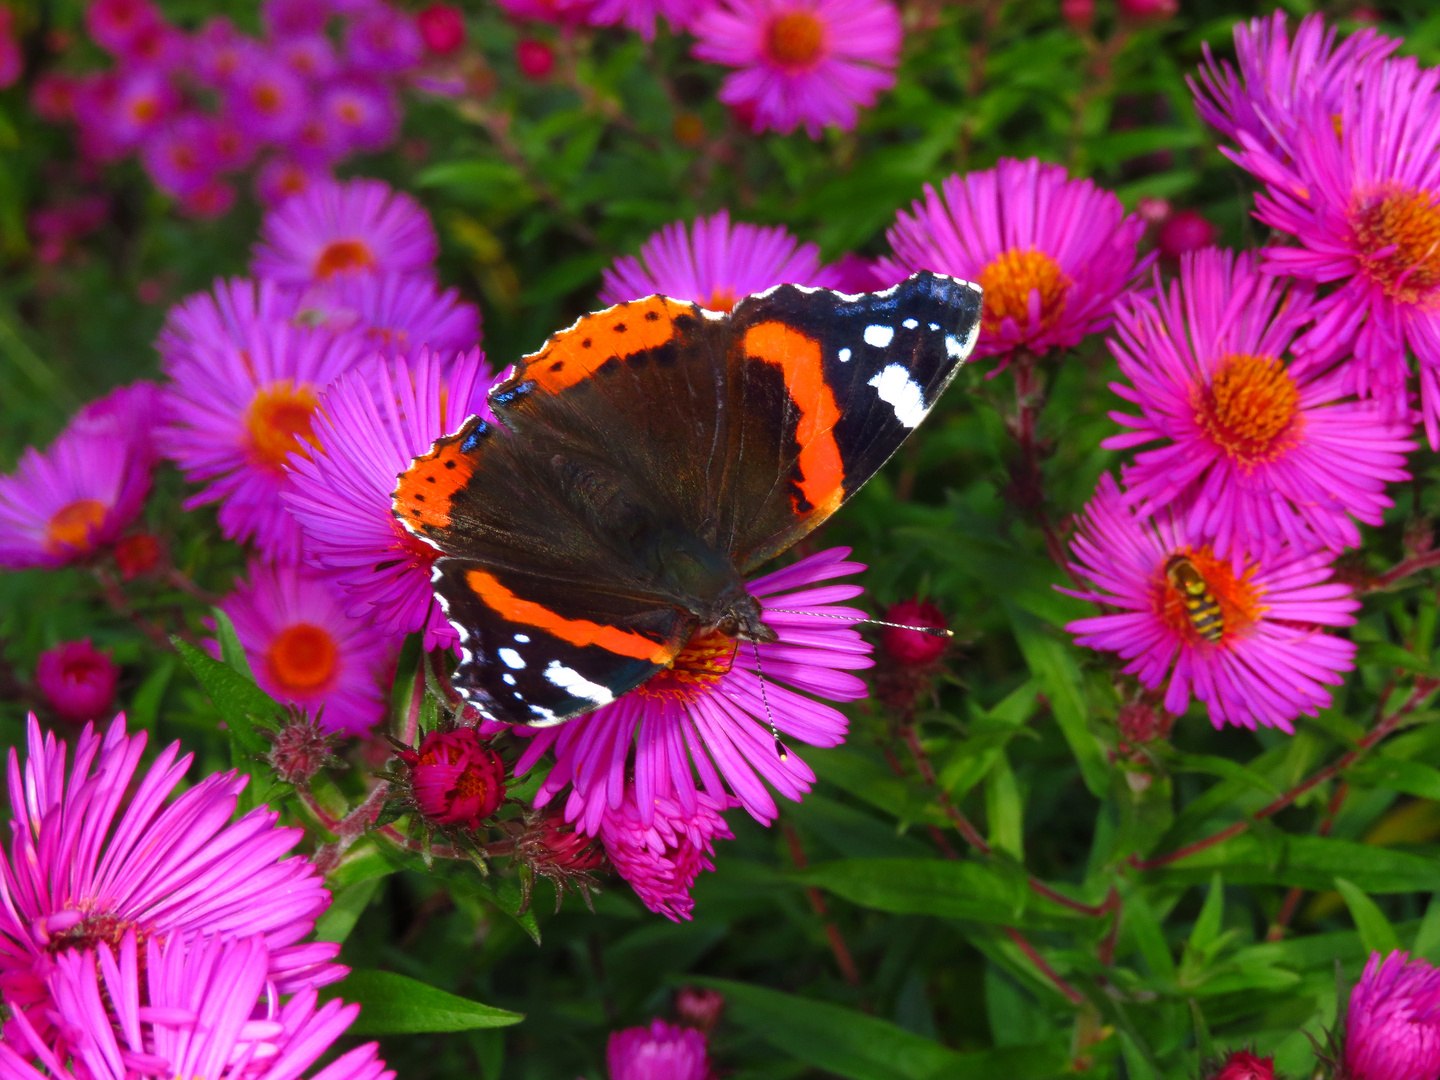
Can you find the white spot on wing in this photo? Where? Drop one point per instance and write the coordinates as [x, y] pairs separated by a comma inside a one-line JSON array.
[[902, 393], [508, 679], [934, 326], [511, 658], [879, 336], [910, 324], [953, 348], [523, 639], [844, 356], [572, 682]]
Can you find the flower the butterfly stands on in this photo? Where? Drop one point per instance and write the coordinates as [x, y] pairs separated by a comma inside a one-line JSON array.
[[597, 543]]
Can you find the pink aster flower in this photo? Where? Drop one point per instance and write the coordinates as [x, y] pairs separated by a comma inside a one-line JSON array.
[[810, 62], [239, 405], [78, 680], [560, 12], [1052, 254], [856, 274], [304, 649], [660, 1052], [221, 53], [1392, 1027], [268, 99], [284, 177], [359, 114], [395, 313], [1242, 634], [77, 496], [286, 19], [714, 264], [1255, 454], [383, 41], [131, 412], [661, 852], [358, 226], [180, 157], [456, 779], [212, 199], [310, 56], [180, 1007], [96, 854], [640, 15], [1276, 73], [1359, 188], [708, 712], [372, 423], [144, 99], [12, 60], [210, 322], [114, 24]]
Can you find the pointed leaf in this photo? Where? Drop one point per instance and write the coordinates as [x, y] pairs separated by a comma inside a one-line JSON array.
[[394, 1004]]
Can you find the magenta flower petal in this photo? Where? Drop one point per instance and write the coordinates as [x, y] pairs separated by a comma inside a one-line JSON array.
[[714, 264], [1256, 453], [96, 853], [334, 228], [1052, 254], [659, 1052], [662, 853], [1392, 1026], [1271, 661], [801, 62], [395, 313], [710, 714], [372, 424], [305, 650]]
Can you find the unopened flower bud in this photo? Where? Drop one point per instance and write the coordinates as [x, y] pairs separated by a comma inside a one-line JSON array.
[[456, 779], [1152, 209], [1141, 722], [1149, 10], [301, 748], [77, 680], [1187, 230], [137, 554], [1243, 1065], [552, 847], [699, 1008], [442, 28], [536, 59], [911, 647], [1078, 13]]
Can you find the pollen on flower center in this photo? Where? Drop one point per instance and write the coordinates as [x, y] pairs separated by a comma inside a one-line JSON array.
[[339, 256], [706, 658], [1011, 278], [721, 299], [73, 524], [1236, 598], [101, 928], [1251, 408], [1399, 234], [795, 40], [303, 658], [279, 421]]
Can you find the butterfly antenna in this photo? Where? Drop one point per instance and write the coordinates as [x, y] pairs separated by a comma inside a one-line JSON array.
[[933, 631], [780, 751]]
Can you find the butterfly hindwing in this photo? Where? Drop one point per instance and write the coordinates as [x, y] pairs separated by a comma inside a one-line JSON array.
[[533, 652]]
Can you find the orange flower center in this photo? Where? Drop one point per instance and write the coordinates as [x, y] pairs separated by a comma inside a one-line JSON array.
[[279, 422], [707, 656], [1199, 597], [101, 928], [74, 524], [721, 299], [267, 99], [339, 256], [350, 113], [795, 40], [1398, 232], [145, 109], [1009, 280], [1251, 409], [302, 658]]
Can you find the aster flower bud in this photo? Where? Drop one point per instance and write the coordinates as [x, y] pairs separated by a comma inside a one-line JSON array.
[[137, 554], [1392, 1026], [77, 680], [301, 748], [1078, 13], [660, 1052], [1243, 1065], [456, 780], [1149, 10], [699, 1008], [1142, 722], [911, 647], [551, 848], [536, 59], [442, 27], [1187, 230]]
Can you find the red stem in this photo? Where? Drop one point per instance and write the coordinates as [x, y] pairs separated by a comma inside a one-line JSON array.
[[843, 959], [1402, 569], [1044, 967]]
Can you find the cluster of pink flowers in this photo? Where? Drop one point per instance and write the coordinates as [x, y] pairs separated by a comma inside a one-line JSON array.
[[322, 85], [1392, 1024], [159, 932]]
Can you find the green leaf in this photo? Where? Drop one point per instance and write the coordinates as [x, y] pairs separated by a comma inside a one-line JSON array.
[[231, 651], [241, 703], [1004, 810], [951, 889], [859, 1047], [345, 909], [1309, 862], [393, 1004], [1427, 938], [1212, 917], [1376, 933], [1054, 668], [1410, 777]]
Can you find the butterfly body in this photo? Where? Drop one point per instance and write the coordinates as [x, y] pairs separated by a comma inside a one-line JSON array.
[[645, 460]]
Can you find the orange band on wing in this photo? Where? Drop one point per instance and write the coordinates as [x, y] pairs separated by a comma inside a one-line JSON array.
[[575, 631], [798, 356], [573, 355], [425, 490]]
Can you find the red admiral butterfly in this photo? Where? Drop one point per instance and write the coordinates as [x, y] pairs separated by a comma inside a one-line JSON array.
[[649, 457]]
